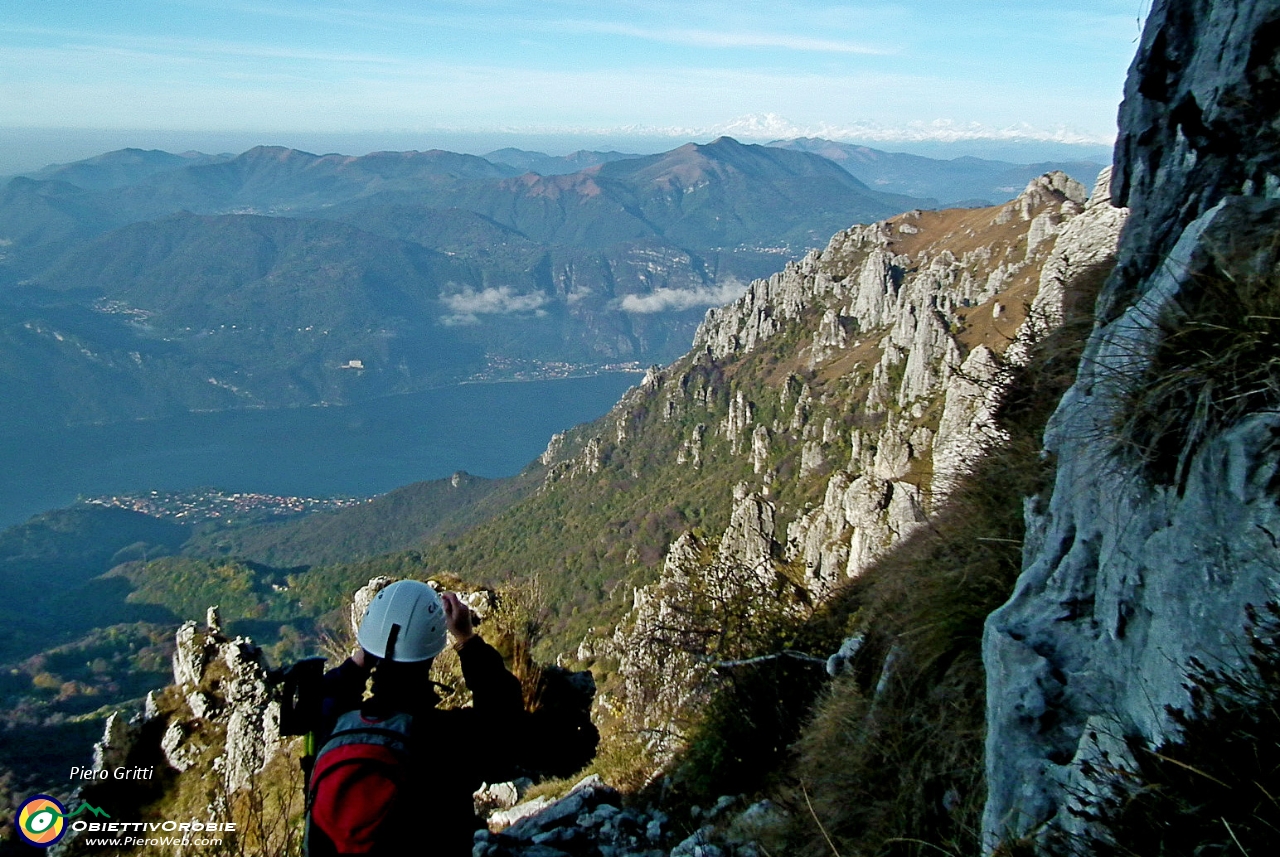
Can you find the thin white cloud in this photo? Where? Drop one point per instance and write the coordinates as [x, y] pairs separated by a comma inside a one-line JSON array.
[[950, 131], [472, 16], [675, 300], [467, 306], [238, 86], [372, 19], [720, 39], [770, 126], [81, 41], [196, 91]]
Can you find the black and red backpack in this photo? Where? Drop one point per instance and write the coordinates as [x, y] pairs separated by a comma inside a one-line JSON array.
[[356, 794]]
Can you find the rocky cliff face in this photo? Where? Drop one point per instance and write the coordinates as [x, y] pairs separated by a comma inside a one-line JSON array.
[[221, 713], [850, 391], [712, 603], [932, 306], [1155, 539], [204, 741], [233, 703]]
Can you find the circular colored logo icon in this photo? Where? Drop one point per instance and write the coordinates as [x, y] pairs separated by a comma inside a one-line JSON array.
[[41, 821]]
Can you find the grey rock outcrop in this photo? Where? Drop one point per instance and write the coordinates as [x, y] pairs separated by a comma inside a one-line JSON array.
[[759, 448], [840, 661], [1197, 125], [665, 633], [748, 541], [860, 283], [118, 738], [741, 416], [1125, 577], [588, 819], [829, 338], [555, 446], [180, 753], [1086, 242], [968, 427], [691, 451], [222, 715], [233, 703], [591, 820], [492, 798]]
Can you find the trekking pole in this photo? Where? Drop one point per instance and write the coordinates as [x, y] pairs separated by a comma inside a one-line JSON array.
[[307, 763]]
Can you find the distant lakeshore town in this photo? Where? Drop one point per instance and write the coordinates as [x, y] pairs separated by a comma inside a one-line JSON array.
[[515, 369], [212, 504]]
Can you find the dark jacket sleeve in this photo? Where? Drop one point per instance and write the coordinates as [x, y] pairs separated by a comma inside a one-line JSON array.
[[490, 731], [494, 691]]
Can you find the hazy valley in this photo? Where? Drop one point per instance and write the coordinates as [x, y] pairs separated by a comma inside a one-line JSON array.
[[139, 284]]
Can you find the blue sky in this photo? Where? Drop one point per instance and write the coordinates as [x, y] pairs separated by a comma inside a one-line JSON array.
[[873, 71]]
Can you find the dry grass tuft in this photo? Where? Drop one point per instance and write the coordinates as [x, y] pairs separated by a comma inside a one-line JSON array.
[[1218, 360]]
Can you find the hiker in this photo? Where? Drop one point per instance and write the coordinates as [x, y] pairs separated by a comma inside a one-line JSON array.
[[394, 774]]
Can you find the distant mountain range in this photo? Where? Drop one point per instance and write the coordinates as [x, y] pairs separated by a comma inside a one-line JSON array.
[[548, 165], [138, 283], [123, 168], [957, 183]]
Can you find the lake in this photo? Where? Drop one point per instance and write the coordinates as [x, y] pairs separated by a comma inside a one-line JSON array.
[[369, 448]]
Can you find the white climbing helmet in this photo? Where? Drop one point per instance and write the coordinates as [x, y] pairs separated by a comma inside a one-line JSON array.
[[404, 623]]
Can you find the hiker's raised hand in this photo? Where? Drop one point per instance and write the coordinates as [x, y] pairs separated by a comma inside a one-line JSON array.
[[457, 617]]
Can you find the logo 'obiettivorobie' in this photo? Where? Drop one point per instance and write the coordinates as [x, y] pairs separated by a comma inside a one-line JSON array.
[[42, 820]]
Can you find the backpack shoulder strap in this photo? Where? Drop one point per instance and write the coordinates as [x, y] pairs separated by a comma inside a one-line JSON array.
[[354, 727], [358, 778]]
